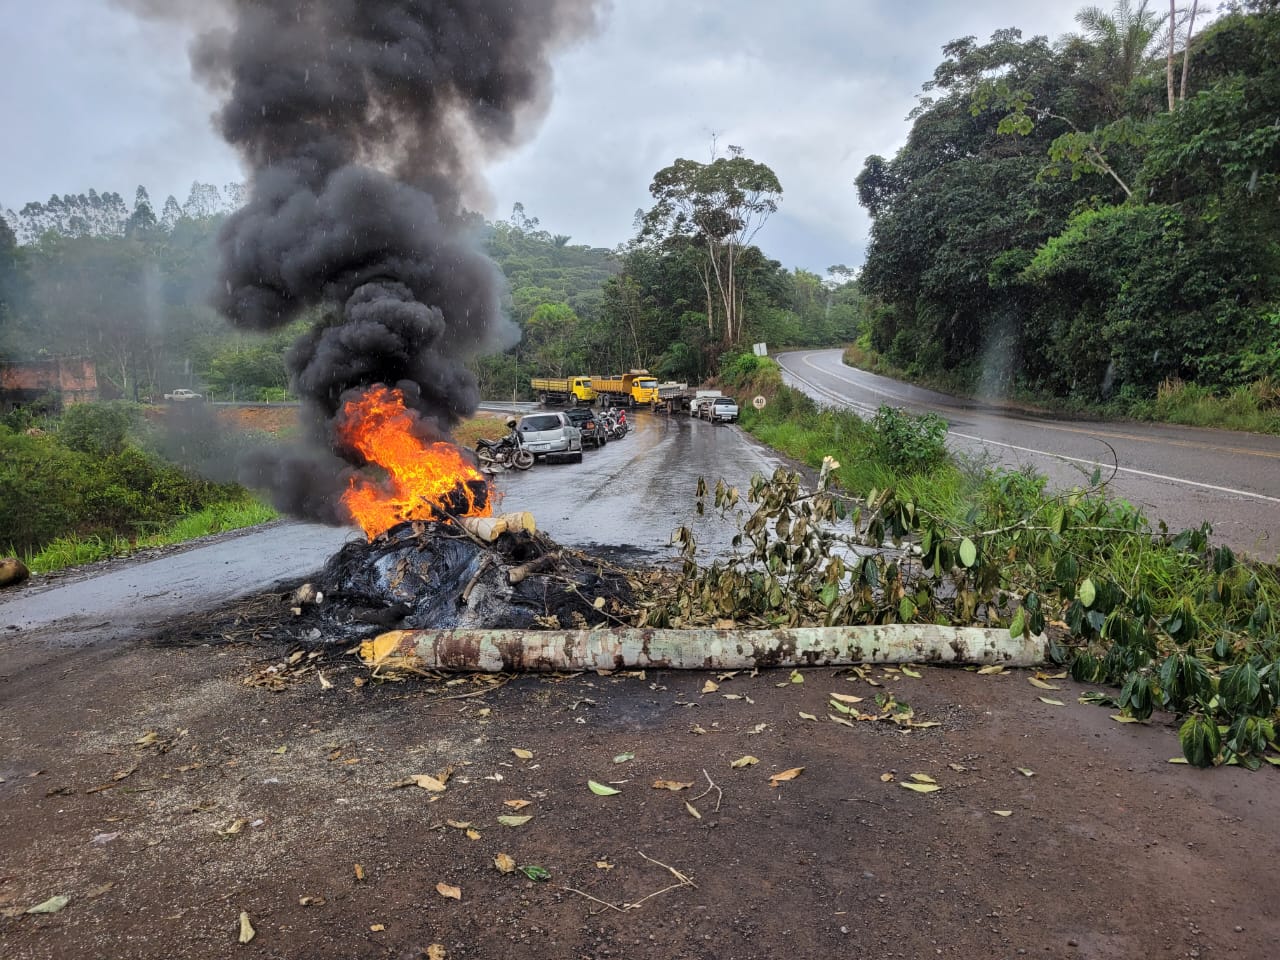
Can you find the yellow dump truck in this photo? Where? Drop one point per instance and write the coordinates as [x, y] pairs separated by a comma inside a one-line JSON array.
[[628, 390], [571, 390]]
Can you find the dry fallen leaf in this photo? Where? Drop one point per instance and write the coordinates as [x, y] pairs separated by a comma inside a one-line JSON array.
[[1025, 771], [604, 865], [732, 696], [376, 927], [921, 787], [886, 778], [358, 870], [473, 835], [710, 687], [922, 778], [52, 905], [958, 767], [459, 824], [236, 826], [247, 932], [522, 754], [436, 952], [845, 697], [672, 785], [785, 775], [911, 673], [448, 890], [746, 761], [1003, 813], [1119, 718], [808, 716], [991, 670], [516, 804], [504, 863], [1052, 702], [693, 811], [514, 821], [311, 901], [759, 728], [1037, 682]]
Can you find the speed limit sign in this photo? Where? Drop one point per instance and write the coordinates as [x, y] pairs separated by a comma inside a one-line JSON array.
[[758, 402]]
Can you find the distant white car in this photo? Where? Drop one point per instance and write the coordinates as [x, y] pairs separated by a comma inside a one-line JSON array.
[[182, 393]]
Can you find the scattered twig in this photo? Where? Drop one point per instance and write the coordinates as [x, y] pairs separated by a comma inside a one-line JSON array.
[[475, 577], [683, 881], [719, 793], [474, 693], [603, 903]]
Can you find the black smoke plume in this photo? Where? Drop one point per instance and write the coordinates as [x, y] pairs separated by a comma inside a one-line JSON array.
[[365, 124]]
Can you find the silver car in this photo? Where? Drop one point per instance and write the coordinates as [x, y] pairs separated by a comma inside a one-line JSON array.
[[551, 435]]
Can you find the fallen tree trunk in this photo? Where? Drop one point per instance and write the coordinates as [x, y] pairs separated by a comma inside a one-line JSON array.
[[495, 651]]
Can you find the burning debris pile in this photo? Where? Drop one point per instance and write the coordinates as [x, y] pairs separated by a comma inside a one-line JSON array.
[[494, 573], [365, 128]]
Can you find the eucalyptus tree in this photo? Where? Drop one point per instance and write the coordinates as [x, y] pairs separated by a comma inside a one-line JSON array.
[[720, 206]]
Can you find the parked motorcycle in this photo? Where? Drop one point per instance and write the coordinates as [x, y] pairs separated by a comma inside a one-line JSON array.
[[508, 452], [614, 427]]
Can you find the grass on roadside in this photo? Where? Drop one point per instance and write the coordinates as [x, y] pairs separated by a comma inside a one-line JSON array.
[[71, 551], [1252, 407]]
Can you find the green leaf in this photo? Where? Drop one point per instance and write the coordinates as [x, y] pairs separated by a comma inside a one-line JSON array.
[[536, 873], [600, 790], [797, 676], [624, 757], [906, 609], [1088, 592], [968, 552], [1019, 624], [1200, 740], [509, 821]]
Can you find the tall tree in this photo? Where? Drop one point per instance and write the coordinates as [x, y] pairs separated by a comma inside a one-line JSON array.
[[720, 206]]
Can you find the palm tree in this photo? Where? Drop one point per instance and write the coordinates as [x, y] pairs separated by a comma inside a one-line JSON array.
[[1126, 40]]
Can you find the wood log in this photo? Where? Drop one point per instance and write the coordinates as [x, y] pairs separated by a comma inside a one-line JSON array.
[[500, 651], [489, 529]]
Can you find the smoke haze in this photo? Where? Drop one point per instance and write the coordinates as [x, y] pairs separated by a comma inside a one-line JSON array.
[[365, 125]]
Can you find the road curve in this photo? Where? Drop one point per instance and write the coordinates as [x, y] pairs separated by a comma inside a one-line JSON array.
[[1182, 475]]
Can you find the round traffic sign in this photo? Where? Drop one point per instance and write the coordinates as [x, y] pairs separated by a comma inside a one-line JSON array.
[[758, 402]]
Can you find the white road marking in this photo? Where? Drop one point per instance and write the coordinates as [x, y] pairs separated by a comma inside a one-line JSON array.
[[1011, 446]]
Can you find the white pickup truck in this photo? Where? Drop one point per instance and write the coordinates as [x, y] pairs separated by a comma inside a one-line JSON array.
[[719, 408], [182, 393]]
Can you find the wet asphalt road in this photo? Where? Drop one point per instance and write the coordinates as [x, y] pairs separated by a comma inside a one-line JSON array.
[[123, 598], [627, 497], [1182, 475], [634, 492]]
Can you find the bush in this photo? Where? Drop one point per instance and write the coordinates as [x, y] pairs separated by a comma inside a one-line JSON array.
[[97, 428], [905, 441], [48, 490]]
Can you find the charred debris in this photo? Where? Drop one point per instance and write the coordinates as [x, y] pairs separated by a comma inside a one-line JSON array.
[[493, 573]]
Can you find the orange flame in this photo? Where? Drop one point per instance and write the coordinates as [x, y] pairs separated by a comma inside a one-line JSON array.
[[421, 476]]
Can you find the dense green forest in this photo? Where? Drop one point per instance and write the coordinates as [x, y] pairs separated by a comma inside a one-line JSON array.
[[97, 278], [1091, 217]]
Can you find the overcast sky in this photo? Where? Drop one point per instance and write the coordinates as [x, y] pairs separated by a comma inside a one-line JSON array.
[[95, 98]]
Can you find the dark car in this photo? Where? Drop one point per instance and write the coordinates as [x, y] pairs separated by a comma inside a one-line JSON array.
[[585, 420]]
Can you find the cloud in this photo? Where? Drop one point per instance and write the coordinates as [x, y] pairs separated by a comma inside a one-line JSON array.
[[106, 101]]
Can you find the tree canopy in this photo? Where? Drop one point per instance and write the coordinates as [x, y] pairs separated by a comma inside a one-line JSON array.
[[1050, 222]]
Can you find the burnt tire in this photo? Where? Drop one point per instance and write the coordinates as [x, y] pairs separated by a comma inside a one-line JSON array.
[[522, 460]]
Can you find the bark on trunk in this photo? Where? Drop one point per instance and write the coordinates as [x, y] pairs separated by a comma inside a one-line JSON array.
[[495, 651], [1173, 36]]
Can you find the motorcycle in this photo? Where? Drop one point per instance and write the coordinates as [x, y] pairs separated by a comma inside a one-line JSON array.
[[614, 427], [505, 453]]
